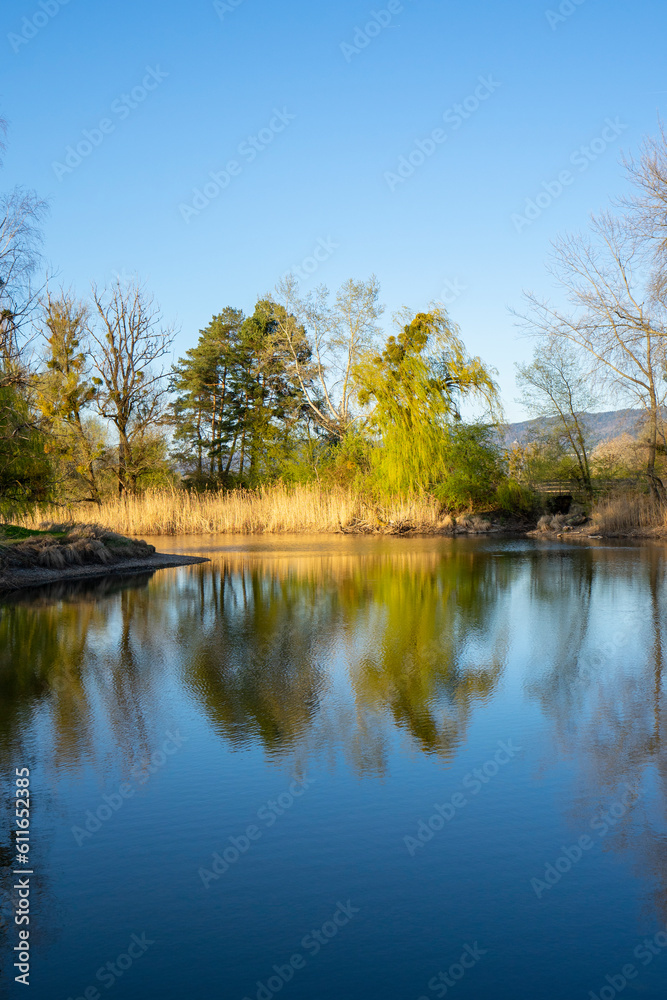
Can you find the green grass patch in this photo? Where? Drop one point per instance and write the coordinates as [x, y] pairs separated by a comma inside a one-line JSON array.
[[12, 533]]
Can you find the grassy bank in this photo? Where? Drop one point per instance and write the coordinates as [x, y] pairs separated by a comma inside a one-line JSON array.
[[63, 546], [273, 510]]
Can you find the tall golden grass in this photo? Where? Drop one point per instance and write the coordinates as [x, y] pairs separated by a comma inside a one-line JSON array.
[[627, 512], [274, 510], [308, 509]]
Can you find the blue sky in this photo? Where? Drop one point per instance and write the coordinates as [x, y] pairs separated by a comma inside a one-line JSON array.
[[333, 110]]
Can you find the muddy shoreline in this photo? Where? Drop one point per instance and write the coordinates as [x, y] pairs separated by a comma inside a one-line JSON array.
[[38, 576]]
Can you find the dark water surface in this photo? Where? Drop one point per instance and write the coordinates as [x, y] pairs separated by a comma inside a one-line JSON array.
[[339, 768]]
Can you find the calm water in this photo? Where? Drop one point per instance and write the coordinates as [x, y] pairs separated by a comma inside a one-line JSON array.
[[350, 768]]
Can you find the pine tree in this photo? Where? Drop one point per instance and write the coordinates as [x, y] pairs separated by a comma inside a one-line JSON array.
[[239, 403]]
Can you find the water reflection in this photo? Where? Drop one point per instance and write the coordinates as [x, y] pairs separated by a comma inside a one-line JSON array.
[[84, 661], [603, 689], [271, 647], [343, 657], [421, 640]]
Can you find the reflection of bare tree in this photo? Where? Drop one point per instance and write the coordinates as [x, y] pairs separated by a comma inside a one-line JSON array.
[[83, 664], [609, 708], [656, 580], [561, 593], [84, 659]]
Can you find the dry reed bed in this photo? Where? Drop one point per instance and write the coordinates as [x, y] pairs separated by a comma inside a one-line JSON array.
[[311, 509], [627, 513], [275, 510]]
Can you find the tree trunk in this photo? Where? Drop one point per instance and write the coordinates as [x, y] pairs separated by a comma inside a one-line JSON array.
[[124, 458], [121, 468], [232, 452], [583, 461], [200, 466], [656, 485], [223, 395], [214, 428], [92, 478]]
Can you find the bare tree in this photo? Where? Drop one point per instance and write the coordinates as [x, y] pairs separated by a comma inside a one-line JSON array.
[[23, 472], [21, 213], [340, 333], [647, 206], [20, 216], [615, 318], [131, 341], [556, 385]]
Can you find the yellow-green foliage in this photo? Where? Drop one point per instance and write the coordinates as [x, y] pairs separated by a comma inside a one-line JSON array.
[[413, 388]]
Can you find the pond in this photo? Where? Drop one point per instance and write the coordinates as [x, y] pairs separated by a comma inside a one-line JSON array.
[[318, 768]]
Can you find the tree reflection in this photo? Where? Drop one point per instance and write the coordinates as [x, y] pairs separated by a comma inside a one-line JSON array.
[[420, 659], [605, 693], [248, 641], [84, 660], [254, 634]]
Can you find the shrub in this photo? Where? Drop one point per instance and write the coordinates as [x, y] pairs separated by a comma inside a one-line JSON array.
[[517, 498], [474, 469]]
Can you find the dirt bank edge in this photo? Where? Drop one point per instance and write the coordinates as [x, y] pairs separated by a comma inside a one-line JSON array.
[[16, 579]]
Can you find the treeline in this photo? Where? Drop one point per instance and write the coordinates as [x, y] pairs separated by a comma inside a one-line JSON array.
[[300, 390], [311, 388]]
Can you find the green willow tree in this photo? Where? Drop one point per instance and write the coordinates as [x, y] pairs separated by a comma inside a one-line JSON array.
[[414, 389]]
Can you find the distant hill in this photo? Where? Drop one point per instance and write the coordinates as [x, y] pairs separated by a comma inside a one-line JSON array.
[[599, 426]]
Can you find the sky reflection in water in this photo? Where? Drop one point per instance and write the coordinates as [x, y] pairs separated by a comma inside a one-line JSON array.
[[286, 721]]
